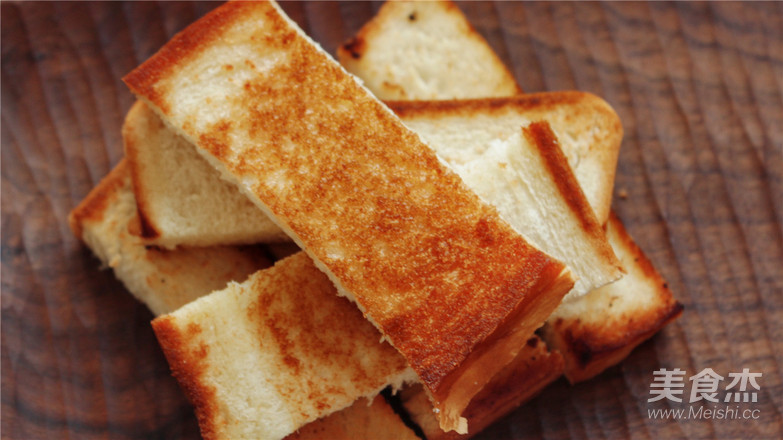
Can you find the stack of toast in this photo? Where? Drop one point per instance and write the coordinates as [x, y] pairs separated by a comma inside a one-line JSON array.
[[456, 239]]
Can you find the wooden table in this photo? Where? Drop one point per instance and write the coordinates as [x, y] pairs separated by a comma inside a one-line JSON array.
[[699, 89]]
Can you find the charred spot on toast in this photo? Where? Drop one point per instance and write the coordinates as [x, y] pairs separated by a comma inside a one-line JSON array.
[[354, 47], [585, 345]]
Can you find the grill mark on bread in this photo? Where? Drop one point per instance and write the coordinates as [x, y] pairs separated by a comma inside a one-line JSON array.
[[540, 134], [539, 101]]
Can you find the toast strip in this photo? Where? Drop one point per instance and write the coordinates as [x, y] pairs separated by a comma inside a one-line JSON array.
[[164, 280], [599, 329], [263, 358], [394, 228]]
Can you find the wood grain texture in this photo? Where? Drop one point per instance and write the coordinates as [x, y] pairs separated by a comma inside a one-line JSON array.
[[699, 89]]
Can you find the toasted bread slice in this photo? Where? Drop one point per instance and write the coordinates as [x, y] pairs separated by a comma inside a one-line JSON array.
[[505, 150], [532, 370], [425, 50], [589, 131], [376, 421], [263, 358], [181, 198], [599, 329], [164, 280], [393, 227]]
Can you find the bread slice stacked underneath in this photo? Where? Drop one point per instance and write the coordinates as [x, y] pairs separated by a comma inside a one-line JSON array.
[[181, 199], [600, 329], [300, 352], [106, 220], [403, 51], [166, 280]]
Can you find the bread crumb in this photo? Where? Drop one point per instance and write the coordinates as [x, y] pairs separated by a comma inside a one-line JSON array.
[[622, 193]]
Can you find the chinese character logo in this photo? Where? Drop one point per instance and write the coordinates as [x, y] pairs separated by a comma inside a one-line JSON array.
[[667, 384], [743, 379], [705, 386], [670, 385]]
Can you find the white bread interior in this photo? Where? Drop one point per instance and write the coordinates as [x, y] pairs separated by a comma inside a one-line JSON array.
[[262, 358], [106, 220], [404, 50], [181, 199]]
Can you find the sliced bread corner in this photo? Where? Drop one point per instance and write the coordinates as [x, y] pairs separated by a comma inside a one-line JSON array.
[[425, 50], [107, 221]]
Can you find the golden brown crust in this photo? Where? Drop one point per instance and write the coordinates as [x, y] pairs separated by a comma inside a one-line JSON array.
[[93, 207], [540, 134], [589, 347], [187, 368], [532, 370], [185, 45], [435, 269], [298, 308]]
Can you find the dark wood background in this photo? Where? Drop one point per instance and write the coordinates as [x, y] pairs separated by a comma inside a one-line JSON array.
[[699, 88]]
